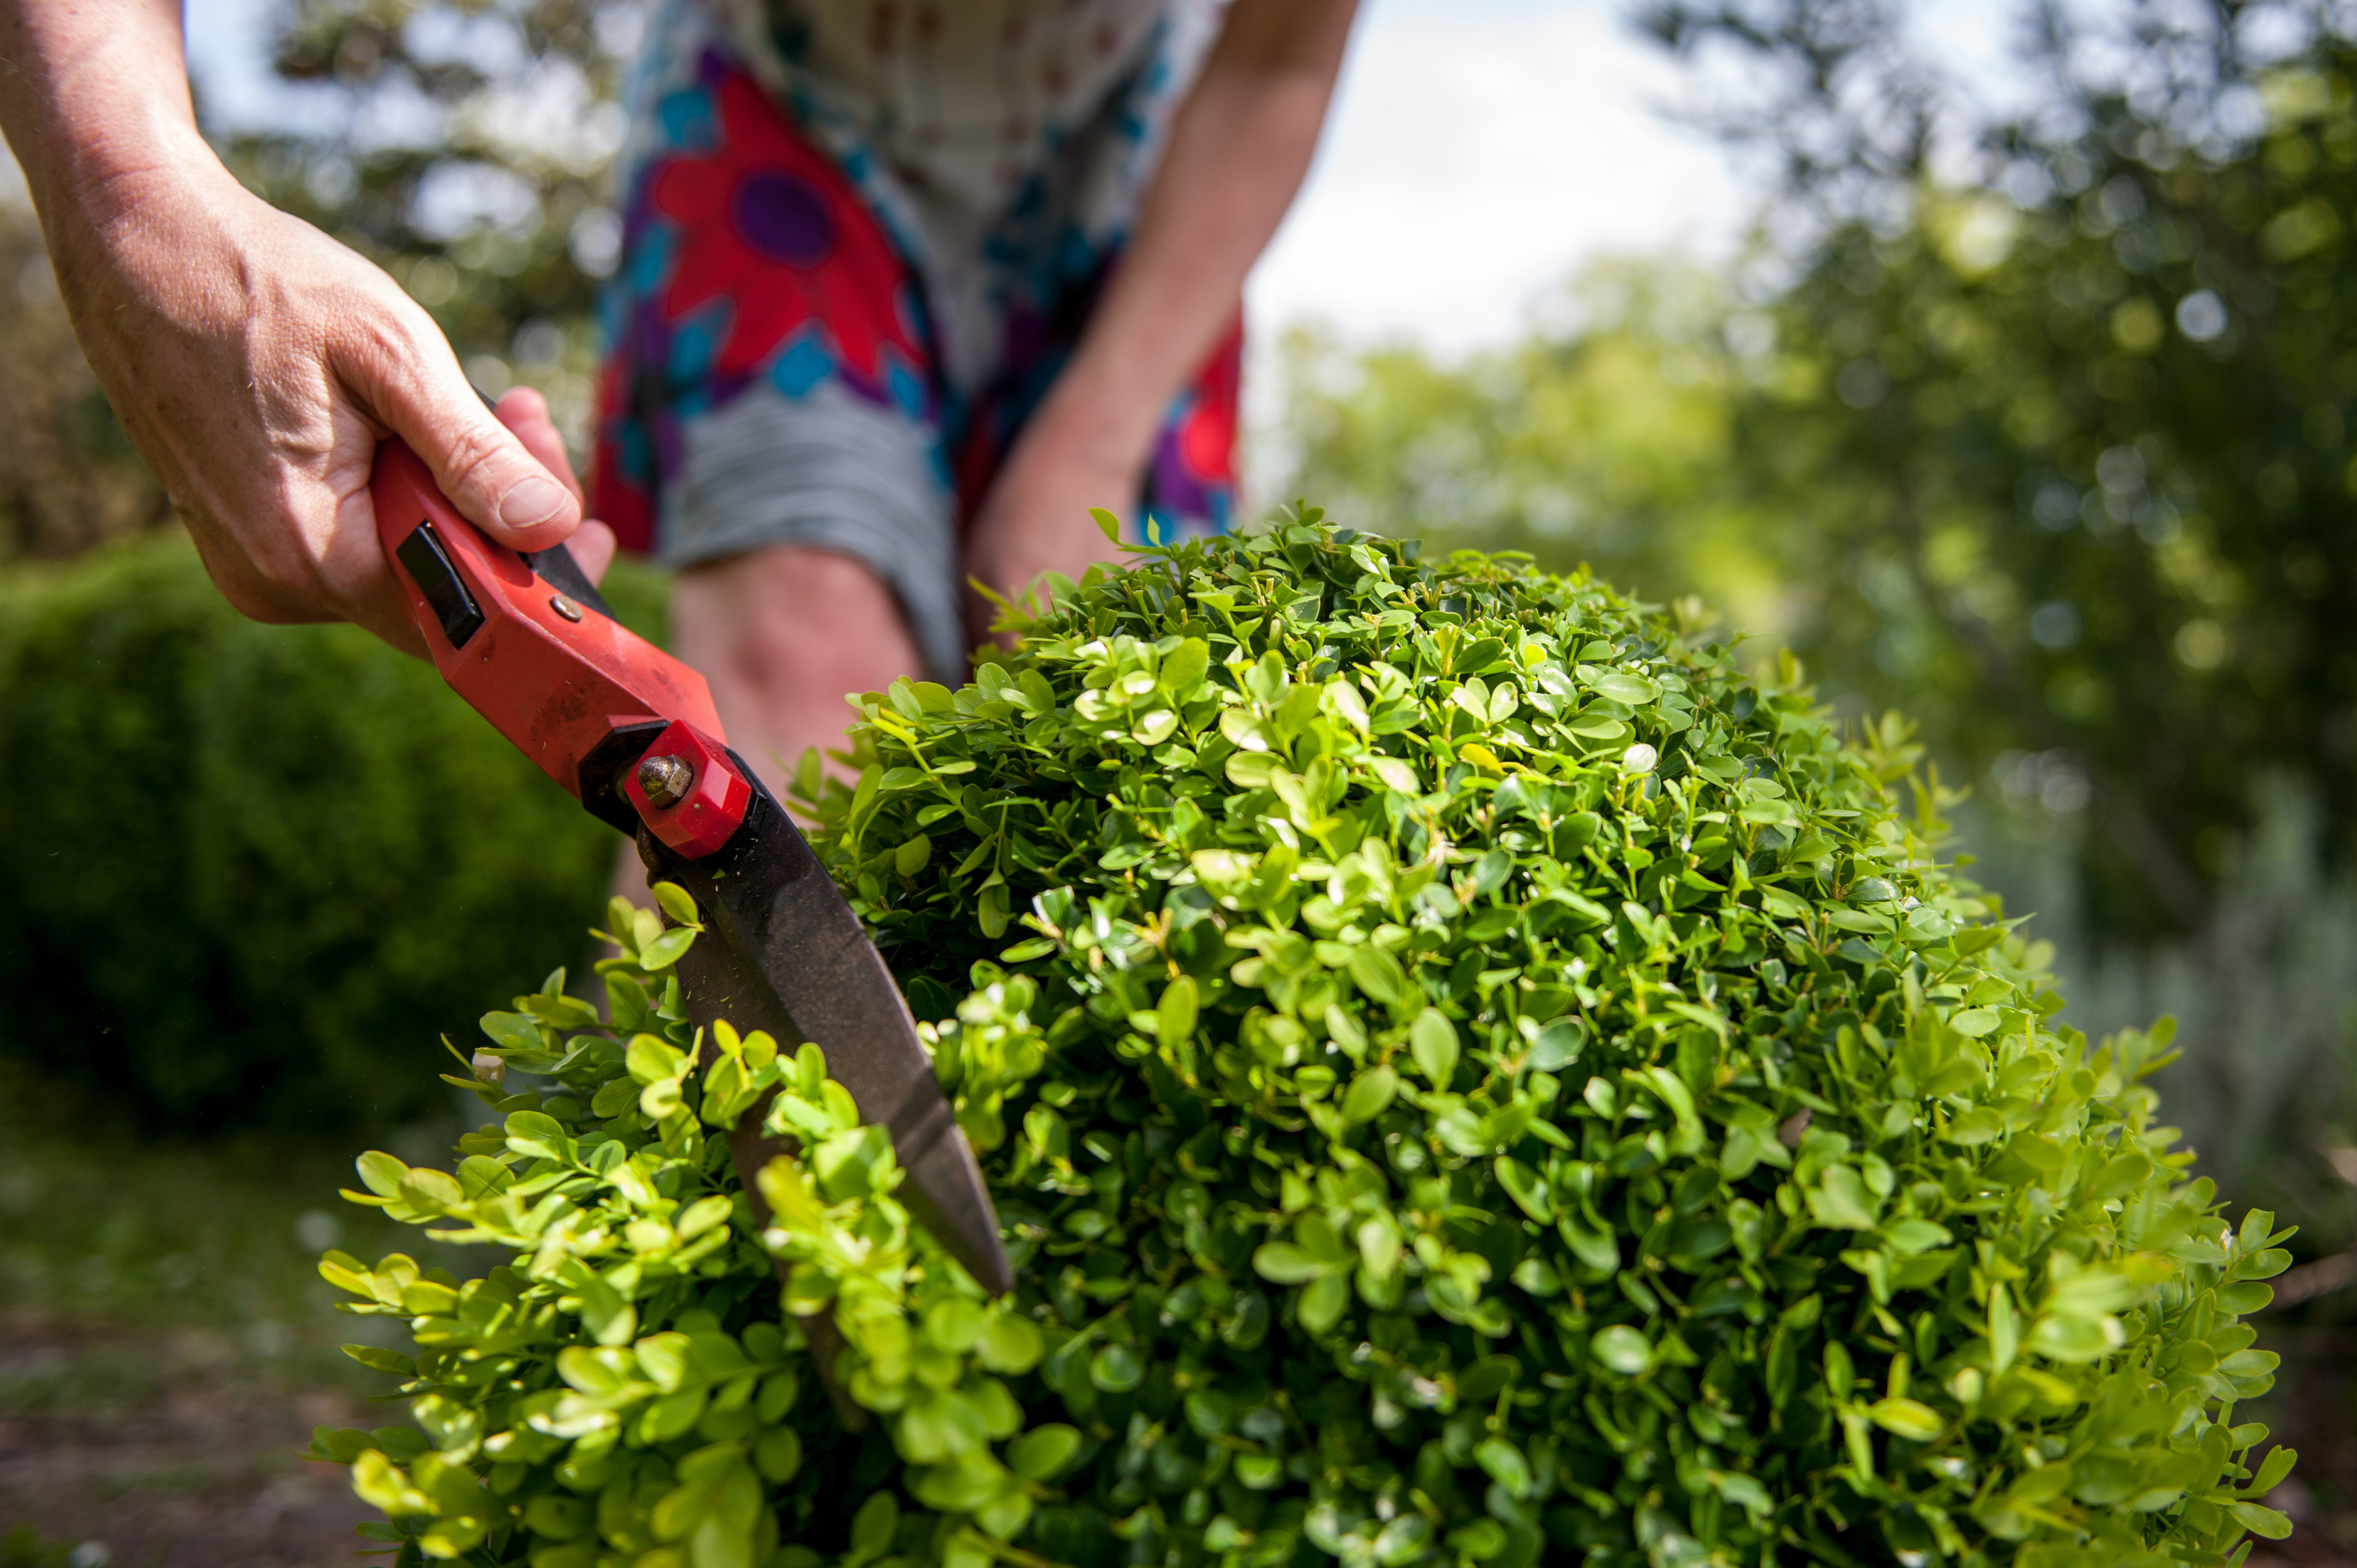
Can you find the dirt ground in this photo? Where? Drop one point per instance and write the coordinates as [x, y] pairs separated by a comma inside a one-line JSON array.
[[161, 1454], [167, 1345]]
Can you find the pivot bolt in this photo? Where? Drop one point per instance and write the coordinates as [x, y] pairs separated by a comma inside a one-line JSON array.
[[566, 607], [666, 779]]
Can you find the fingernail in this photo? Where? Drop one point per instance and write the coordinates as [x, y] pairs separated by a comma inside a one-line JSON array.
[[532, 501]]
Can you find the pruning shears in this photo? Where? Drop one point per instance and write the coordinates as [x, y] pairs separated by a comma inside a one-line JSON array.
[[632, 734]]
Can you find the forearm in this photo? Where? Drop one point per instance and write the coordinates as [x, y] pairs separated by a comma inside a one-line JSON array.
[[94, 95], [1238, 150]]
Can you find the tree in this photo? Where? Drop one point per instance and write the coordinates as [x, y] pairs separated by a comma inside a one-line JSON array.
[[2076, 418]]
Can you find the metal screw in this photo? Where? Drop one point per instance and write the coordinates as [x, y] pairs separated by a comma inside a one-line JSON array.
[[666, 779], [566, 607]]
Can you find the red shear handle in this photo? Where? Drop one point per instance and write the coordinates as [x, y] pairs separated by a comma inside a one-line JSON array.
[[626, 728]]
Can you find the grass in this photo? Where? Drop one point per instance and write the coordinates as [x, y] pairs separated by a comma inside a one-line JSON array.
[[165, 1342]]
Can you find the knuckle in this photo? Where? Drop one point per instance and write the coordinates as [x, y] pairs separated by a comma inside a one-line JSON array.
[[472, 458]]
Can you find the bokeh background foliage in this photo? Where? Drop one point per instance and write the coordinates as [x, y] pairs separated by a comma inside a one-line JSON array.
[[256, 871]]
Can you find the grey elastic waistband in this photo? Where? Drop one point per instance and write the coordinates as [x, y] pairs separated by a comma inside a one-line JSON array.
[[829, 472]]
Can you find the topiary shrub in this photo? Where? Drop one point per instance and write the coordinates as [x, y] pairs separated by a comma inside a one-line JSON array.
[[1468, 1078], [254, 870]]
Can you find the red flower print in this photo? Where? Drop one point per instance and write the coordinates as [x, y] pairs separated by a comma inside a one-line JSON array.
[[771, 227]]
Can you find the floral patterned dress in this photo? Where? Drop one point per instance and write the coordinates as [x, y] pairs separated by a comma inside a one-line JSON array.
[[860, 238]]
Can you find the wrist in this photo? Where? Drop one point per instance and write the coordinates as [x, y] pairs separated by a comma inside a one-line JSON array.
[[100, 178], [1092, 421]]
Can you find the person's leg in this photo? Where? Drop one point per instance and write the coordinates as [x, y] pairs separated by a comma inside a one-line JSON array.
[[783, 635]]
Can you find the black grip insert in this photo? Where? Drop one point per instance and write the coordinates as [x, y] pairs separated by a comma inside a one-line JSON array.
[[428, 564]]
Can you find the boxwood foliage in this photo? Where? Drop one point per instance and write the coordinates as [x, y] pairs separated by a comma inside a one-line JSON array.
[[1468, 1078]]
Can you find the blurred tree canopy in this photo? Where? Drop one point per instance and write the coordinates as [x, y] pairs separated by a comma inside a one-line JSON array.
[[69, 478], [2037, 429], [464, 148]]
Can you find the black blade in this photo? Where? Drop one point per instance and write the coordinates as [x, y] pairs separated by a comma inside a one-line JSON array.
[[558, 568], [781, 951]]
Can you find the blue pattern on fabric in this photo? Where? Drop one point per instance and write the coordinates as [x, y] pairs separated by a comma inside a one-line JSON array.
[[802, 363], [688, 120], [696, 339], [650, 268]]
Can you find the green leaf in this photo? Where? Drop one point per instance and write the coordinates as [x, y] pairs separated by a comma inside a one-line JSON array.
[[874, 1528], [610, 1315], [1283, 1262], [380, 1173], [2271, 1471], [1370, 1095], [1041, 1453], [1433, 1041], [1622, 1349], [2265, 1522], [1379, 974], [1559, 1045], [677, 905], [1116, 1370], [1010, 1343], [1907, 1418], [1506, 1465], [1175, 1014], [1622, 687], [667, 949], [1322, 1304], [779, 1455], [1841, 1200]]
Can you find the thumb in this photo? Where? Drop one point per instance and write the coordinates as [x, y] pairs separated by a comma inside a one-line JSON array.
[[489, 475]]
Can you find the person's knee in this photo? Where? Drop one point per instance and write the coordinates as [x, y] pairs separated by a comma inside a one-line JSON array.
[[795, 624]]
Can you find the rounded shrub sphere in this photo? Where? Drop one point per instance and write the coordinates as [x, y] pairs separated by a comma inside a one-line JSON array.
[[1468, 1076]]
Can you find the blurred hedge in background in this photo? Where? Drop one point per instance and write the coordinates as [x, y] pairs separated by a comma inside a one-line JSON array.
[[255, 871]]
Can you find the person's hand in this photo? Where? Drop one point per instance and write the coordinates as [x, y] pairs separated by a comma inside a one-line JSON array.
[[1035, 519], [525, 412], [256, 363]]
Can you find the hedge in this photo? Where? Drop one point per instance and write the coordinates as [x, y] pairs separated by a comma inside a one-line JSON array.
[[255, 871]]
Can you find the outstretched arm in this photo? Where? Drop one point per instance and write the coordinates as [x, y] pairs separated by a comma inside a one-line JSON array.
[[254, 362], [1238, 150]]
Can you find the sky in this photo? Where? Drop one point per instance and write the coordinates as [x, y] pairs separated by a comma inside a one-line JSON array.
[[1481, 151], [1478, 152]]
